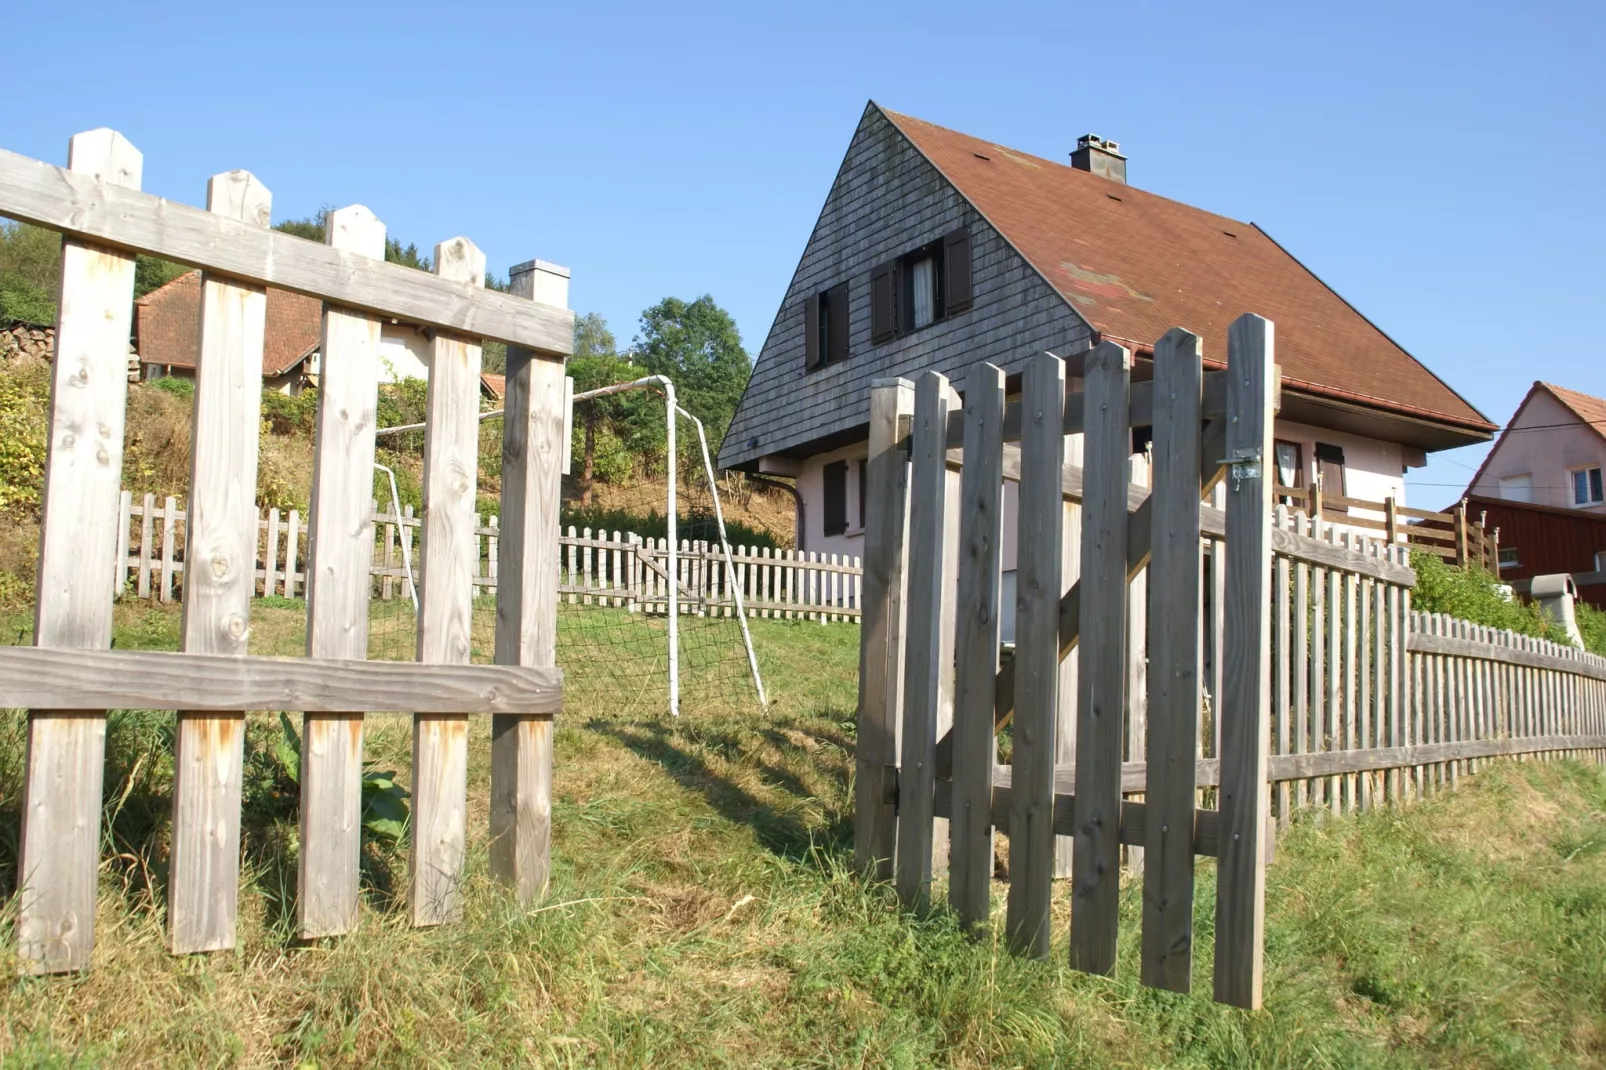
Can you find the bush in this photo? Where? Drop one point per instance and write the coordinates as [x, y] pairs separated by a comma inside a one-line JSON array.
[[655, 525], [172, 384], [289, 414], [1472, 594], [24, 432]]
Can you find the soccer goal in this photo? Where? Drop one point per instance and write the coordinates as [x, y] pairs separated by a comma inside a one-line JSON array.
[[652, 611]]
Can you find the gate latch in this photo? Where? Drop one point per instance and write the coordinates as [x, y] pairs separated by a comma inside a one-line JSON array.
[[1245, 462]]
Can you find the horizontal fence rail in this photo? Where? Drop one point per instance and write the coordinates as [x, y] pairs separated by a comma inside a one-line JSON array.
[[597, 568]]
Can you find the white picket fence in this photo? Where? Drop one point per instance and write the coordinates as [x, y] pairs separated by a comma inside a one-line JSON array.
[[602, 568]]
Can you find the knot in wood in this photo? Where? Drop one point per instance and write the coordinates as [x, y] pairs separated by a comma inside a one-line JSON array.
[[234, 626], [220, 566]]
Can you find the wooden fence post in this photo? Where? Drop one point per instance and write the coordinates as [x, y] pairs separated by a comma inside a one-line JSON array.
[[59, 853], [446, 601], [534, 443], [882, 632], [1175, 672], [1241, 869], [970, 819], [340, 554], [1101, 696], [1462, 551], [928, 671], [220, 555], [1037, 656]]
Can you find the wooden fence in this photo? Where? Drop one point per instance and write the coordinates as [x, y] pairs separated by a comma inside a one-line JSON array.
[[71, 677], [1324, 690], [602, 568], [1453, 535]]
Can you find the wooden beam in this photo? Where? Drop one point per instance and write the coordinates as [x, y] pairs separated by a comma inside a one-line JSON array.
[[882, 631], [45, 677], [1175, 672], [1139, 413], [221, 531], [1245, 709], [970, 859], [1131, 828], [534, 445], [928, 669], [1101, 695], [1590, 666], [340, 554], [1034, 671], [448, 556], [83, 206], [58, 864]]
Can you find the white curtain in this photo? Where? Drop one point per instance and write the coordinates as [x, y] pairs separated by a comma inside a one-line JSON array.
[[923, 291]]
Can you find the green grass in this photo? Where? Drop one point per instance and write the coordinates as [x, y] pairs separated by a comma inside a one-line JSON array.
[[702, 912]]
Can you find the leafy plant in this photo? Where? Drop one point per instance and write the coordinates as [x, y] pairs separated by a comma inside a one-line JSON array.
[[384, 802]]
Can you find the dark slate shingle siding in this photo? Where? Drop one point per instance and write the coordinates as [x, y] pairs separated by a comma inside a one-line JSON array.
[[887, 200]]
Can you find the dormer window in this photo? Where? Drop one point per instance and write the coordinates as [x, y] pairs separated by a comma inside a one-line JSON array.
[[922, 287]]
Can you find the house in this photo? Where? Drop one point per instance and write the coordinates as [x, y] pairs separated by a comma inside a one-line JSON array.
[[937, 250], [1541, 486], [167, 337]]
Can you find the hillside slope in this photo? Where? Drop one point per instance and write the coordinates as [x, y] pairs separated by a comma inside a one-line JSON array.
[[702, 914]]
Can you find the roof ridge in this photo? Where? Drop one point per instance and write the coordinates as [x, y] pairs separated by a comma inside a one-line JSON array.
[[174, 281], [1067, 167]]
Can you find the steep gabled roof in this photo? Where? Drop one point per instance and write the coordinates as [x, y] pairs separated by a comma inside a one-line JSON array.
[[1591, 412], [1134, 264], [167, 325]]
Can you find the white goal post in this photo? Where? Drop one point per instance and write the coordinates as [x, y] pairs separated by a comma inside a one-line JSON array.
[[672, 409]]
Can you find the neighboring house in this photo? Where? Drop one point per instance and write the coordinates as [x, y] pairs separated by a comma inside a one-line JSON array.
[[1541, 486], [167, 325], [936, 250], [1552, 452]]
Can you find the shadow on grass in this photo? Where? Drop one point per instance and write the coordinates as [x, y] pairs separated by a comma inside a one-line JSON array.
[[782, 830]]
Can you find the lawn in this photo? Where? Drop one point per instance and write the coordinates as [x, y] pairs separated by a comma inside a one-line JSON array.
[[703, 912]]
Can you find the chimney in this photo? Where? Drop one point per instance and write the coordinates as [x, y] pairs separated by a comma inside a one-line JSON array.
[[1099, 156]]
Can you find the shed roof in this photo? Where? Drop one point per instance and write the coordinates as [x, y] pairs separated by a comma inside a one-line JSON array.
[[167, 326]]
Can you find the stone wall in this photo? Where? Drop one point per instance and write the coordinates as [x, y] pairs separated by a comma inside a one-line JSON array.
[[22, 341]]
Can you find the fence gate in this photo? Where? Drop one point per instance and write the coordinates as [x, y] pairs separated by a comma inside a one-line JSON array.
[[72, 677], [930, 652]]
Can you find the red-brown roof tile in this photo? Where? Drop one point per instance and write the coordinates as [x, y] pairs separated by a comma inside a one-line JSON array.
[[1589, 410], [1135, 264], [494, 385], [167, 325]]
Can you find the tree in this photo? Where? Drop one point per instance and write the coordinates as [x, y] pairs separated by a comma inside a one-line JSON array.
[[596, 364], [30, 273], [698, 346]]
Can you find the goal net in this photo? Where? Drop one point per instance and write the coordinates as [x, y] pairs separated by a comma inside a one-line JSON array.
[[651, 599]]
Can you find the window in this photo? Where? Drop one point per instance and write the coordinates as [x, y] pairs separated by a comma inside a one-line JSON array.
[[864, 488], [836, 498], [1330, 471], [1517, 488], [1600, 560], [1586, 485], [921, 287], [1290, 463], [1508, 557], [825, 327]]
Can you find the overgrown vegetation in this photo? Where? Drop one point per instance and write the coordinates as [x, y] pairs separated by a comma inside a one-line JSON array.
[[1472, 594], [703, 912], [30, 273]]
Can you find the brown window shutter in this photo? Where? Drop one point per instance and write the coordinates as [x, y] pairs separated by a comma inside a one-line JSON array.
[[811, 332], [883, 312], [835, 513], [956, 271], [836, 335], [864, 488], [1330, 466]]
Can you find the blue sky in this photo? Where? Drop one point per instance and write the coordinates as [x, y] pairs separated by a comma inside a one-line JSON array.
[[1439, 164]]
